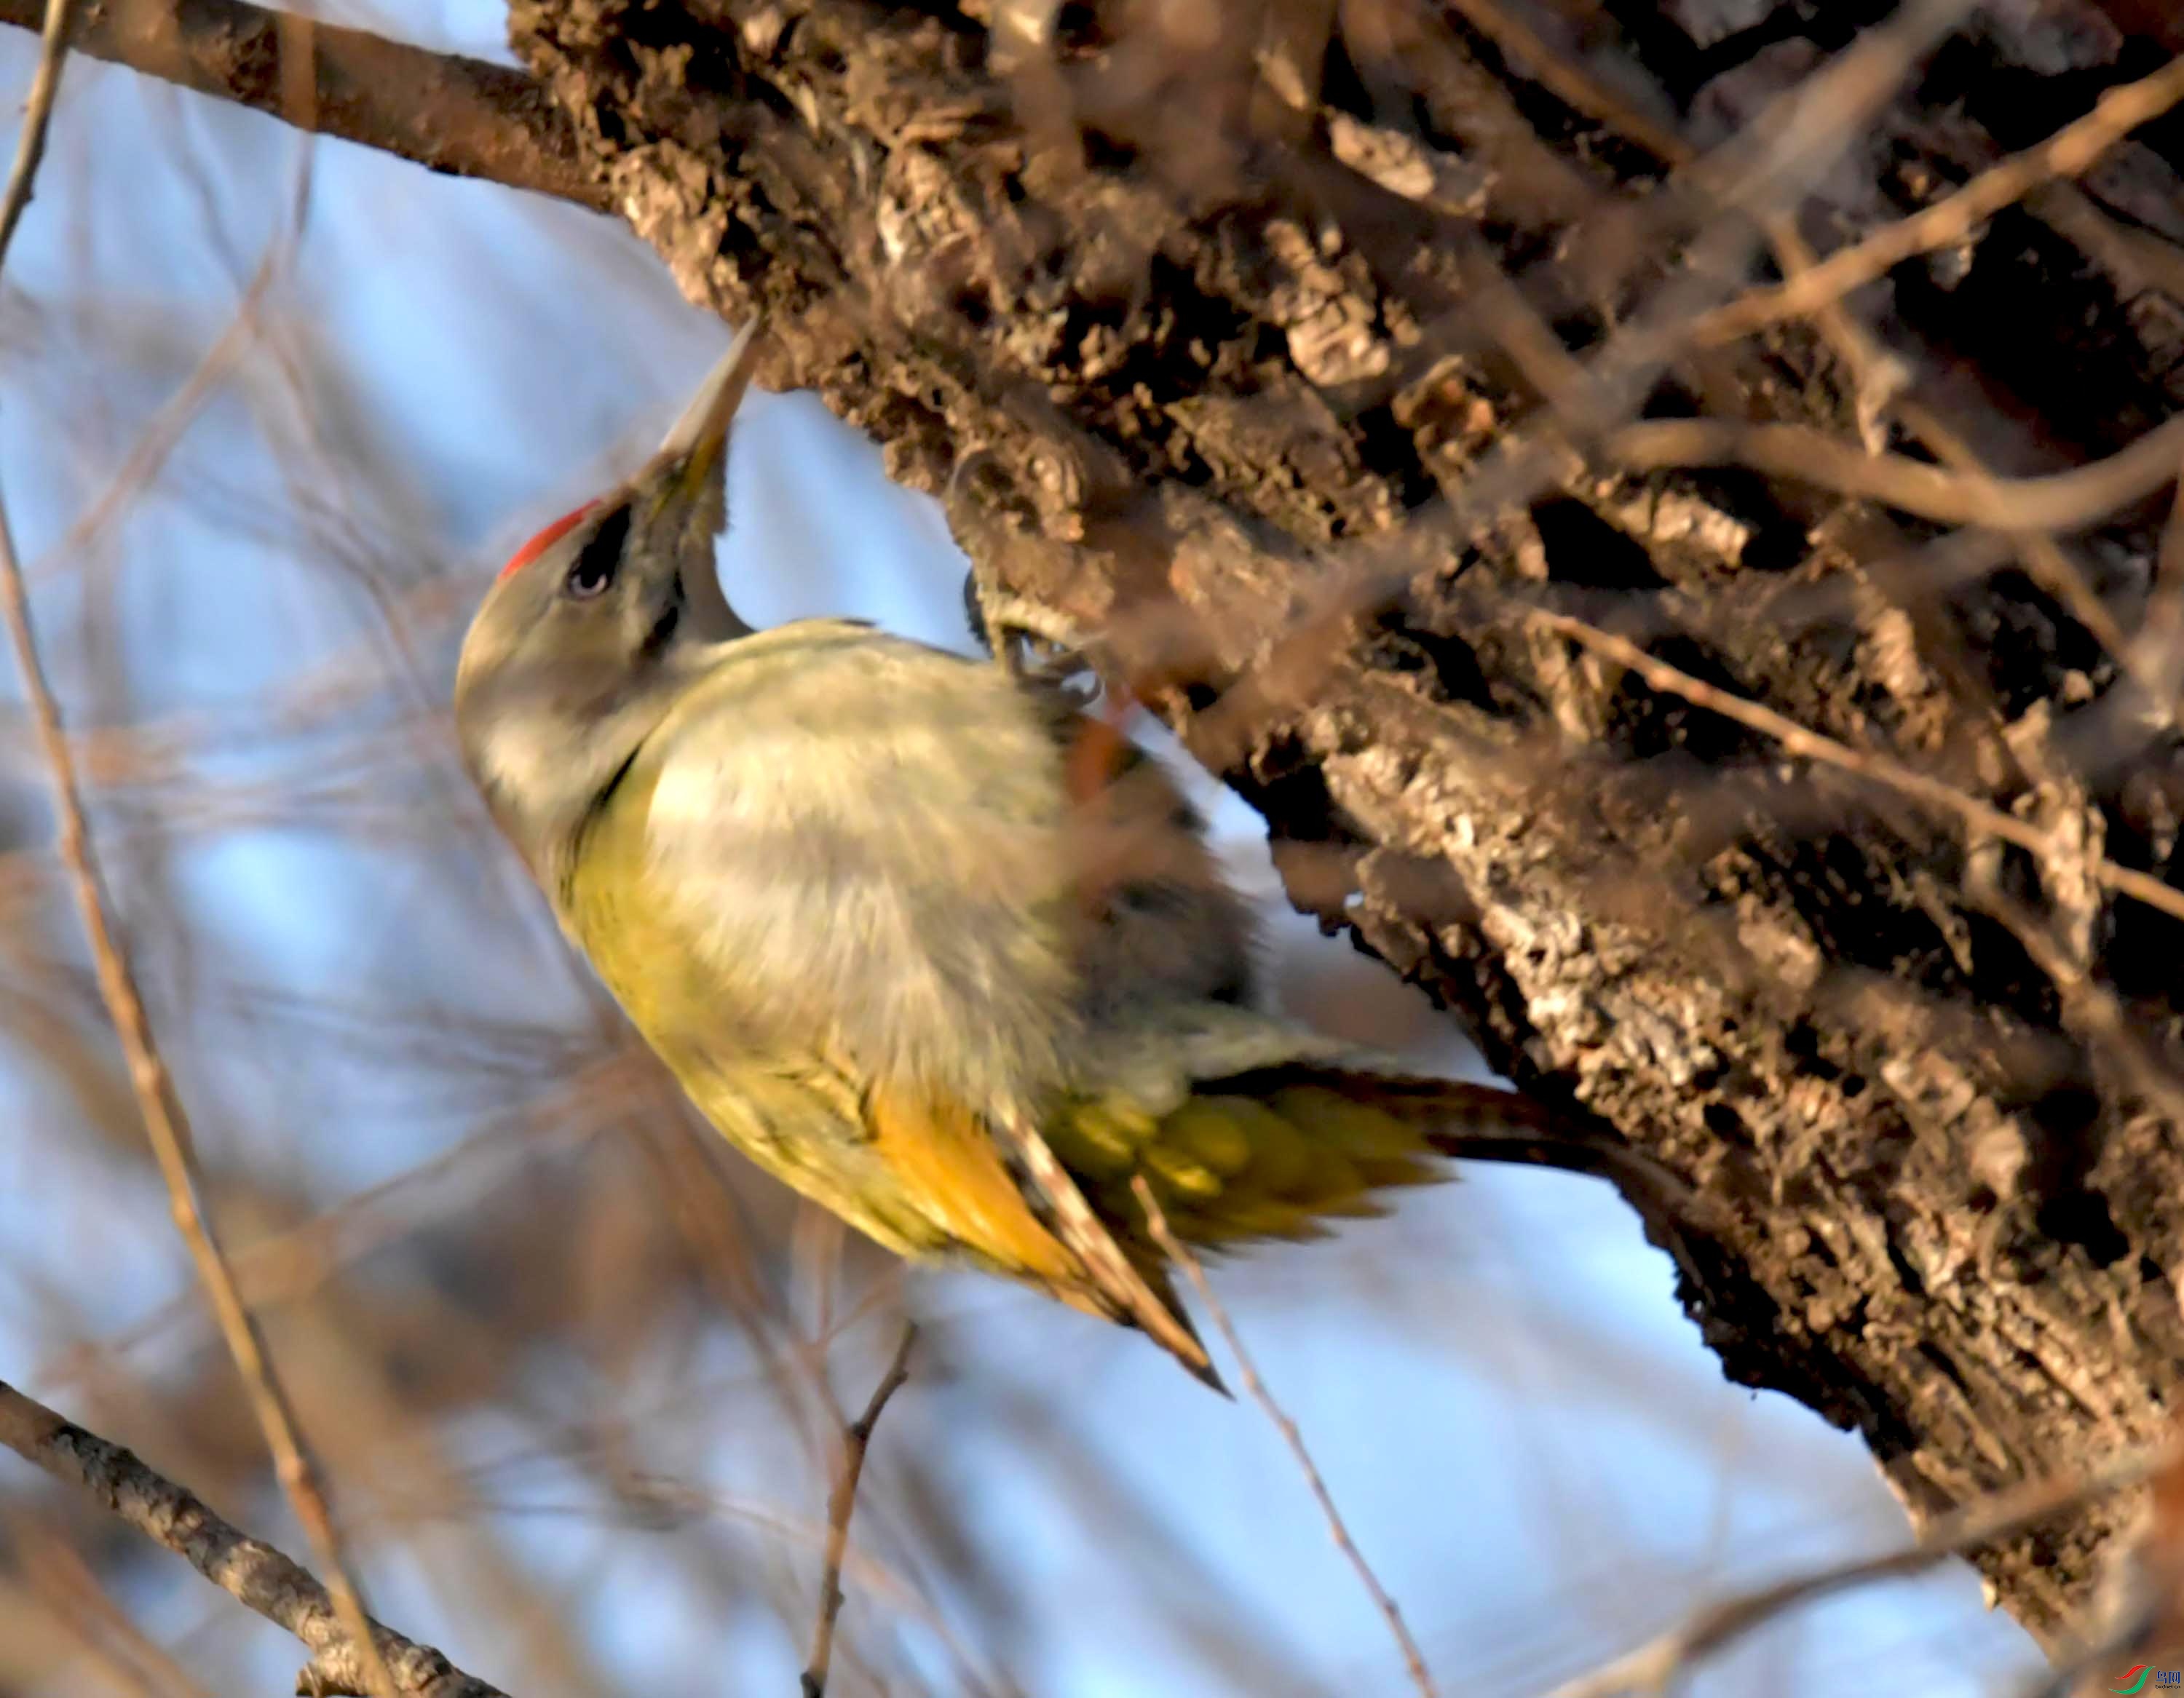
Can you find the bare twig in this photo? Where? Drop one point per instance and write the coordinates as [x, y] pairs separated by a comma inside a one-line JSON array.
[[1879, 769], [2041, 556], [2136, 258], [286, 1266], [1651, 1668], [53, 1574], [255, 1574], [1760, 175], [176, 416], [841, 1504], [165, 1123], [180, 410], [2062, 501], [1564, 76], [1778, 161], [1817, 288], [444, 111], [2068, 152], [37, 115], [1880, 375], [2161, 621], [1179, 1253]]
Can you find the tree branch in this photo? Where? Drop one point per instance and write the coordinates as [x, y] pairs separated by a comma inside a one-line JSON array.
[[2072, 500], [254, 1575], [446, 111], [52, 24], [841, 1504], [2070, 152], [1654, 1665], [1980, 817], [167, 1125], [1177, 1251]]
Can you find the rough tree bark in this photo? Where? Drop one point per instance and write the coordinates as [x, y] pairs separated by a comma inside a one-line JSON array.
[[1293, 334]]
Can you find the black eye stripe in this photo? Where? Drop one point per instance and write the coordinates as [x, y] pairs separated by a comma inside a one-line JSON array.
[[601, 559]]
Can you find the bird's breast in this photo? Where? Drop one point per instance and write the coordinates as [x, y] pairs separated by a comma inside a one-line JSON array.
[[852, 848]]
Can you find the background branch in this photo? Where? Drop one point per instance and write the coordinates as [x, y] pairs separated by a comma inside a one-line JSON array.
[[444, 111], [166, 1123], [1179, 1253], [841, 1505], [254, 1574], [1654, 1666]]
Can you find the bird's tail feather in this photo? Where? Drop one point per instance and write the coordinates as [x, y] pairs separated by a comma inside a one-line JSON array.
[[1306, 1131]]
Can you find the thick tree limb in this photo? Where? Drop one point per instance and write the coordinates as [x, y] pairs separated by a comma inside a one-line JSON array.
[[446, 111], [254, 1575]]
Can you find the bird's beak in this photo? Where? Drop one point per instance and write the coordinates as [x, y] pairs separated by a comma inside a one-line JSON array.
[[687, 479], [698, 438]]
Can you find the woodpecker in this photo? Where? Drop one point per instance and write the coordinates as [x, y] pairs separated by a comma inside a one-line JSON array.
[[917, 935]]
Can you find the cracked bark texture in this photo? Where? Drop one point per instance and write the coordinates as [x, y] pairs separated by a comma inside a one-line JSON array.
[[1211, 321]]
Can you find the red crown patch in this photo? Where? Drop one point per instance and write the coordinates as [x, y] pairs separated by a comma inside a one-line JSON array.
[[546, 539]]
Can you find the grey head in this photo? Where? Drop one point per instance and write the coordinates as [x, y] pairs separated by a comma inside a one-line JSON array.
[[595, 624]]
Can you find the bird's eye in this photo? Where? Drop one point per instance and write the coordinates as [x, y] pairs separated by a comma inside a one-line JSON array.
[[589, 577], [601, 558]]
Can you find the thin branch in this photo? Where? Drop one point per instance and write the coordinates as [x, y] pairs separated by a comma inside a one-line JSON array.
[[1653, 1666], [1564, 75], [54, 1574], [1881, 769], [178, 411], [37, 114], [1813, 288], [2136, 258], [1879, 373], [2043, 557], [254, 1575], [2070, 151], [446, 111], [841, 1504], [165, 1123], [1177, 1252], [2061, 501]]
